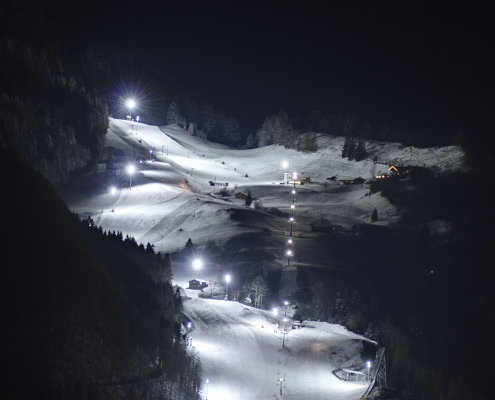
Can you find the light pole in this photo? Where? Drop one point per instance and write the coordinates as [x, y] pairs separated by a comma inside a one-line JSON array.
[[113, 191], [281, 380], [289, 254], [368, 364], [291, 220], [284, 333], [130, 103], [197, 266], [227, 279], [151, 152], [294, 177], [130, 171], [293, 203], [286, 303]]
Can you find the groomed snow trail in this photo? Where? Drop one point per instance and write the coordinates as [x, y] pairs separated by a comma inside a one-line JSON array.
[[244, 361]]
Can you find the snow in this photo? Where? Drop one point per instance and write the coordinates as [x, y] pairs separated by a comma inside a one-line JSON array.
[[241, 359]]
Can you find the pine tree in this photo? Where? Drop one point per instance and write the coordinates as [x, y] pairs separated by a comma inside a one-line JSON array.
[[250, 142], [110, 162], [249, 199], [149, 248], [208, 119], [189, 245], [167, 264], [173, 113], [374, 215], [351, 151], [345, 147], [192, 129], [233, 133], [360, 150]]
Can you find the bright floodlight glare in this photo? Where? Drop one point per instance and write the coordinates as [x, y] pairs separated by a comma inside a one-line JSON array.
[[289, 252], [286, 303], [275, 311], [292, 206], [294, 175], [131, 169], [289, 241], [131, 103], [369, 364], [197, 264], [285, 164], [227, 278], [293, 191], [291, 219], [137, 118], [113, 190]]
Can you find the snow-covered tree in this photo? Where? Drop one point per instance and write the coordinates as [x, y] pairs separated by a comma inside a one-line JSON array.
[[345, 147], [233, 133], [208, 119], [265, 134], [250, 142], [258, 289], [351, 151], [173, 113], [360, 153]]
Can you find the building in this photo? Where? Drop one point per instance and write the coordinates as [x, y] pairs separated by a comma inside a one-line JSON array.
[[396, 169], [241, 196], [198, 284]]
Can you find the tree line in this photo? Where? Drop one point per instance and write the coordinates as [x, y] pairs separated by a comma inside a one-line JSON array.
[[52, 110], [204, 122], [92, 314]]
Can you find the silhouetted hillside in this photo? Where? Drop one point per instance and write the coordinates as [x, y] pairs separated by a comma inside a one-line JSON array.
[[87, 313]]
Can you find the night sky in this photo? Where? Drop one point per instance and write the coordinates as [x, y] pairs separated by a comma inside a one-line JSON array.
[[401, 65]]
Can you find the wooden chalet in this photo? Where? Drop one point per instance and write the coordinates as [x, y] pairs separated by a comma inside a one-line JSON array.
[[355, 181], [399, 170], [241, 196], [198, 284]]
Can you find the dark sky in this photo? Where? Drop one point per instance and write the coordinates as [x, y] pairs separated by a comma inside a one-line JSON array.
[[389, 64]]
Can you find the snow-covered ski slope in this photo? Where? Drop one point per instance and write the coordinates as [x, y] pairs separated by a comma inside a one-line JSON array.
[[241, 359], [156, 210]]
